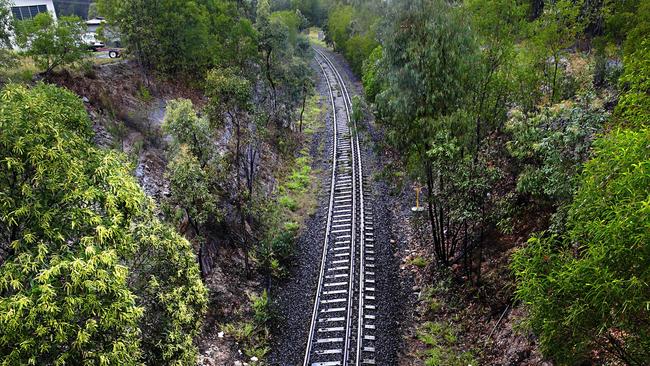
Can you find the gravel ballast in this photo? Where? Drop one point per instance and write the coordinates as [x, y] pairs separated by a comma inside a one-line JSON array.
[[294, 296]]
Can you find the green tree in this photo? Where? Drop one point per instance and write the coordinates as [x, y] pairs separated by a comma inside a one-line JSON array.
[[497, 25], [273, 43], [554, 32], [7, 58], [186, 128], [194, 195], [338, 25], [87, 272], [428, 56], [194, 173], [229, 101], [52, 43], [371, 71], [634, 105], [175, 36], [589, 288]]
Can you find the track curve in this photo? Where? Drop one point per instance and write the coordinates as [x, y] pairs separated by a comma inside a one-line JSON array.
[[342, 329]]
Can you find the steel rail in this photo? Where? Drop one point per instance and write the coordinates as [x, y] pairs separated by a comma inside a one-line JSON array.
[[327, 230], [346, 96], [357, 180]]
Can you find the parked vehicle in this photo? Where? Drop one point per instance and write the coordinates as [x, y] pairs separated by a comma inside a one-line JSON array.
[[91, 41]]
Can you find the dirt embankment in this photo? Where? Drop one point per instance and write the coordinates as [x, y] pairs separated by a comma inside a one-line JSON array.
[[127, 107]]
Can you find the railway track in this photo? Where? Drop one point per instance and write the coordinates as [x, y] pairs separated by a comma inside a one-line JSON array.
[[342, 330]]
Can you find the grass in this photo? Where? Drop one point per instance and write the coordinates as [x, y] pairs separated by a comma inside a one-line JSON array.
[[419, 262], [440, 341], [298, 191], [288, 202], [314, 114], [298, 184], [105, 61], [25, 68], [253, 335], [144, 94], [294, 200], [23, 72]]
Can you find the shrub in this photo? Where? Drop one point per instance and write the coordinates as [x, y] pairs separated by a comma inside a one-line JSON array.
[[590, 287], [419, 262], [90, 275], [552, 146], [288, 202]]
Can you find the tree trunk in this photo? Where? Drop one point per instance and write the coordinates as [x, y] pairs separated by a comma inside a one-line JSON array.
[[557, 61], [270, 79], [536, 9], [302, 111], [437, 244]]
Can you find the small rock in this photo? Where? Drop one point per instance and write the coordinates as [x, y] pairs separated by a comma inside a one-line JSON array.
[[238, 363], [85, 100], [254, 359], [392, 241], [416, 288], [220, 334]]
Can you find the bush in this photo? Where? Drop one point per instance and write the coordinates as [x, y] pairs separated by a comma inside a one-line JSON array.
[[90, 274], [590, 287], [634, 105], [440, 339], [552, 146], [371, 74]]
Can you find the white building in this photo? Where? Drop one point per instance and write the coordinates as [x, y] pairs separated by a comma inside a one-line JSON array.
[[94, 24], [28, 9]]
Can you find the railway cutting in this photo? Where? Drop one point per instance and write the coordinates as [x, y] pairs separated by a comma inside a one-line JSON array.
[[343, 328]]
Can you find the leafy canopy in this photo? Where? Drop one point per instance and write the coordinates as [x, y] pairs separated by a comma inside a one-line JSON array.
[[88, 273], [52, 43], [183, 37]]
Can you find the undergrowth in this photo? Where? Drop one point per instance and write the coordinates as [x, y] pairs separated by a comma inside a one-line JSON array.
[[294, 200], [253, 335]]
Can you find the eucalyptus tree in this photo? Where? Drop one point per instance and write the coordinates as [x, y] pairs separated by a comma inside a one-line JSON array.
[[273, 40], [186, 128], [428, 56], [230, 96], [195, 174], [554, 32], [7, 58]]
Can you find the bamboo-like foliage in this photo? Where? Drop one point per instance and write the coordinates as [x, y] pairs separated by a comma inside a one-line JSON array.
[[590, 288], [88, 274]]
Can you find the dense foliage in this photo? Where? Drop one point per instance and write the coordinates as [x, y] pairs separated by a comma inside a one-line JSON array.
[[176, 36], [589, 287], [7, 57], [88, 274], [478, 93]]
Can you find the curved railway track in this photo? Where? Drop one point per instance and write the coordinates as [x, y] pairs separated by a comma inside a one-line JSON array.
[[342, 330]]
